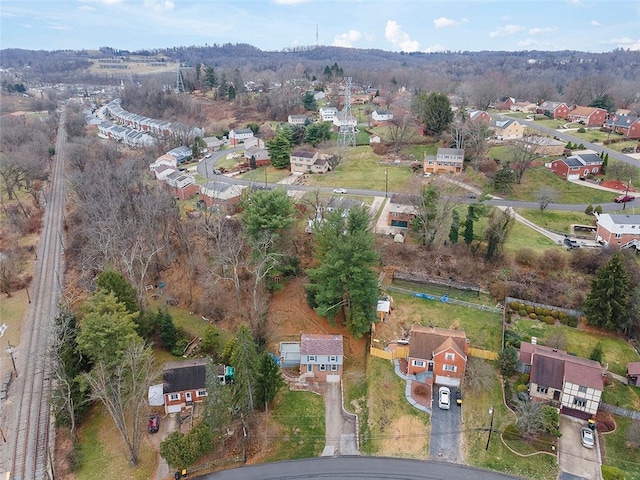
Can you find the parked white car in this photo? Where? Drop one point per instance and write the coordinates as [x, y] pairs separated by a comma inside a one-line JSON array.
[[444, 398], [340, 191]]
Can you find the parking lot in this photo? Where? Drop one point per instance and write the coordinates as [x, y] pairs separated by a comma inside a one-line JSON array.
[[573, 458], [445, 430]]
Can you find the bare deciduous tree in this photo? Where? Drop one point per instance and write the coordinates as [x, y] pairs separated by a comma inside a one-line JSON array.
[[524, 153], [544, 196]]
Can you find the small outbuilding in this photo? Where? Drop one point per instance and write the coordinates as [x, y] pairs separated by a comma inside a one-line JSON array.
[[633, 373]]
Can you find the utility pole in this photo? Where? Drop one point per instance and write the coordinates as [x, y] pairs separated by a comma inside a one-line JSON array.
[[490, 427], [386, 183], [13, 360]]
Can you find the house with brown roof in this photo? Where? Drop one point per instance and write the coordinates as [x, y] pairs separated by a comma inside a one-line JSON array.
[[303, 161], [505, 128], [447, 160], [402, 211], [437, 355], [588, 116], [571, 383], [321, 357], [633, 373]]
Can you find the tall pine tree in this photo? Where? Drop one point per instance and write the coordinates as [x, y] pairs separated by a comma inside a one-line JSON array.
[[606, 303]]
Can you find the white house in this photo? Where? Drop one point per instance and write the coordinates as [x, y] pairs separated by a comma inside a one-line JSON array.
[[328, 114], [381, 117], [239, 135], [618, 230]]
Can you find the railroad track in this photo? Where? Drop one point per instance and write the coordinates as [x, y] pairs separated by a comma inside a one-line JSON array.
[[30, 418]]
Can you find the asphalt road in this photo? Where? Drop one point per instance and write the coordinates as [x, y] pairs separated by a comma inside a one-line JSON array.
[[26, 412], [370, 468]]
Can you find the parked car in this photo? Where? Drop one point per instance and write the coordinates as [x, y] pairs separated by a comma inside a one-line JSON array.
[[624, 199], [217, 172], [571, 243], [341, 191], [208, 155], [586, 437], [444, 398], [458, 397], [154, 423]]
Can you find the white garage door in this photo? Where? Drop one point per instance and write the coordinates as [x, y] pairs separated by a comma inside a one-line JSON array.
[[575, 176], [174, 409], [447, 381]]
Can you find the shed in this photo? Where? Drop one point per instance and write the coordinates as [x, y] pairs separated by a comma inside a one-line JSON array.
[[633, 373]]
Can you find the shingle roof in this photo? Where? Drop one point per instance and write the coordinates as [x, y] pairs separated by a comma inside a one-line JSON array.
[[633, 368], [625, 219], [184, 375], [424, 341], [320, 344]]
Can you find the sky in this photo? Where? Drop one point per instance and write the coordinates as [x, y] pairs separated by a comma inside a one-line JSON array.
[[272, 25]]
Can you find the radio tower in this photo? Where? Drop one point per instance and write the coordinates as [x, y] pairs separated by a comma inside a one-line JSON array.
[[347, 122], [179, 81]]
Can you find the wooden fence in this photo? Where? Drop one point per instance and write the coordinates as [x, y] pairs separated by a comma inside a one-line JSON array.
[[403, 352], [486, 354]]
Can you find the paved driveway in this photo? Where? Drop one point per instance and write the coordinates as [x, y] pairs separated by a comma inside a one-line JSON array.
[[573, 458], [445, 430], [340, 428]]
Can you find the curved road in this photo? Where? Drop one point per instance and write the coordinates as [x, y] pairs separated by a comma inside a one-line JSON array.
[[370, 468], [27, 413]]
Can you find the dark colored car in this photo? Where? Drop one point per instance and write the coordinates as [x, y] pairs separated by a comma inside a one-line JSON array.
[[624, 198], [154, 423], [571, 243]]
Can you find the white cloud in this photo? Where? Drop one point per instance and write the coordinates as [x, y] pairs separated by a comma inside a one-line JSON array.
[[577, 3], [347, 39], [58, 27], [111, 2], [87, 8], [159, 5], [435, 48], [626, 43], [505, 31], [394, 34], [289, 2], [542, 31], [595, 23], [444, 22]]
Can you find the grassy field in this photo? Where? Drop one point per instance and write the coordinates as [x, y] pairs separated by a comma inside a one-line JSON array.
[[557, 220], [617, 352], [301, 428], [266, 175], [619, 453], [498, 457], [620, 395], [524, 237], [438, 290]]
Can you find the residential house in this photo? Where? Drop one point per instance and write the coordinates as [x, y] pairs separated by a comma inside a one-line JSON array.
[[184, 383], [447, 160], [554, 109], [437, 355], [633, 374], [618, 230], [254, 142], [374, 139], [381, 117], [182, 153], [505, 103], [298, 120], [303, 161], [219, 196], [334, 203], [321, 357], [213, 143], [572, 383], [401, 211], [545, 146], [166, 160], [506, 128], [479, 116], [260, 155], [523, 106], [625, 125], [239, 135], [162, 172], [328, 114], [181, 185], [588, 116], [577, 166]]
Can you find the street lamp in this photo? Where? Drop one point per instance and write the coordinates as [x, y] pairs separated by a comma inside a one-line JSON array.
[[490, 427]]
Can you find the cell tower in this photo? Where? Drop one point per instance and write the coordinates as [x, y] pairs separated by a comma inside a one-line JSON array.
[[347, 122], [179, 81]]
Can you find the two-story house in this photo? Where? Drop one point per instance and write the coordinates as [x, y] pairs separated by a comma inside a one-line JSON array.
[[625, 125], [572, 383], [321, 357], [554, 109], [239, 135], [588, 116], [577, 166], [506, 128], [448, 160], [479, 116], [182, 186], [401, 211], [303, 161], [381, 117], [437, 355], [618, 230], [328, 114]]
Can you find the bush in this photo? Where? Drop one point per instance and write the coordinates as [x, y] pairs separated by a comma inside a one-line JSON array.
[[554, 313], [612, 473], [589, 210], [515, 306], [572, 321], [512, 338], [549, 320], [538, 311], [530, 309], [562, 315], [605, 422], [520, 388], [526, 257], [522, 312], [598, 209], [533, 316]]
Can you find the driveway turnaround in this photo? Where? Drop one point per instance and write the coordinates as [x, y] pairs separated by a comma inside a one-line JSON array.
[[445, 430], [573, 458]]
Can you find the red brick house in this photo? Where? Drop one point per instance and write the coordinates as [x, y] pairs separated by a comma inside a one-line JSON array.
[[554, 109], [622, 231], [625, 125], [181, 186], [321, 357], [479, 116], [223, 197], [577, 166], [505, 103], [183, 384], [401, 211], [589, 116], [437, 354], [447, 160]]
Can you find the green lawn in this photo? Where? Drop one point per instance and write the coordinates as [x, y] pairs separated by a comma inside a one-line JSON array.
[[625, 396], [483, 329], [272, 175], [617, 352], [301, 425], [618, 452], [360, 168], [557, 220], [522, 236]]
